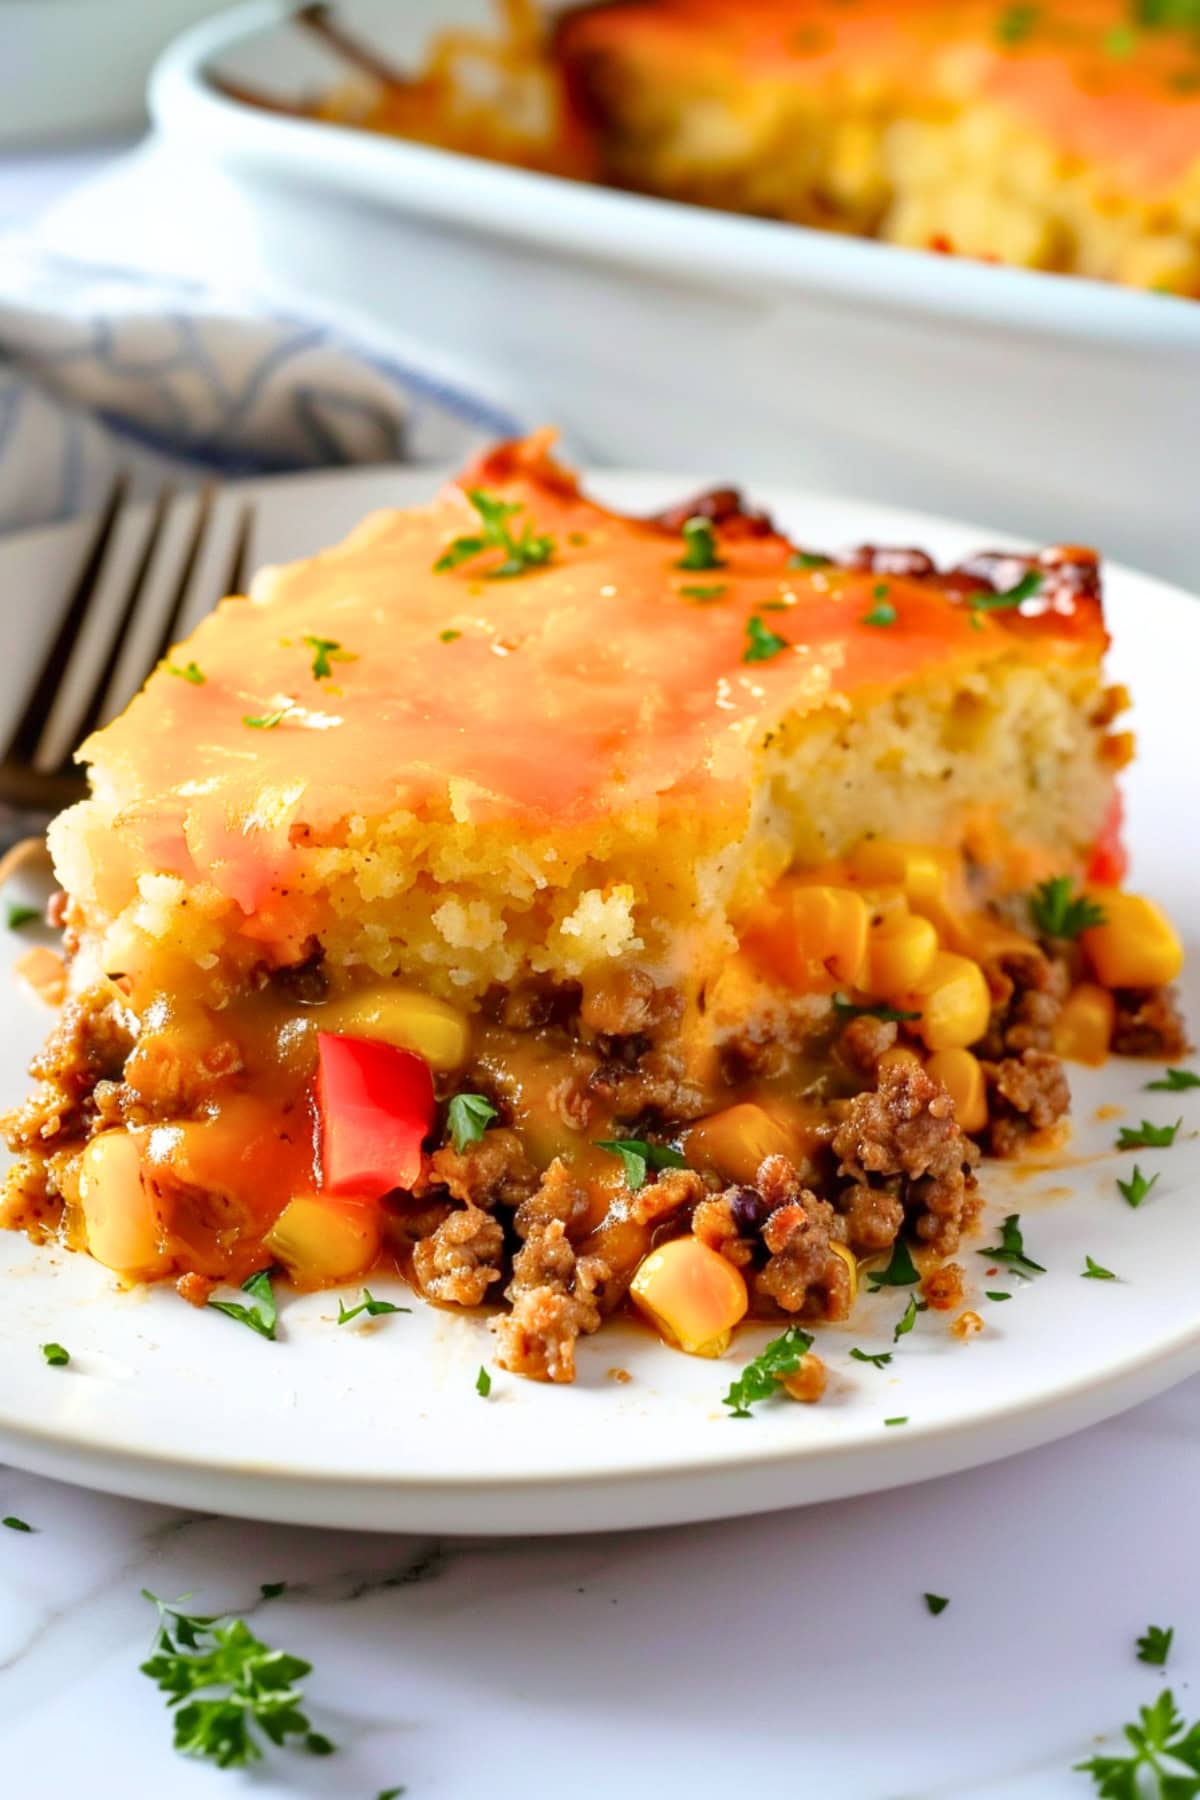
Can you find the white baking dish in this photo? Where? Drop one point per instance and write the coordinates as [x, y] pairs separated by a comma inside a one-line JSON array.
[[664, 334]]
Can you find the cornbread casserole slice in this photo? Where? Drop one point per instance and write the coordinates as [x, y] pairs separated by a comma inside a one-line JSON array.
[[558, 905], [1061, 136]]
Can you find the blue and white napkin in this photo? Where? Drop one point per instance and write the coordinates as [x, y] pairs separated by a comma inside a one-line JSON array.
[[122, 364]]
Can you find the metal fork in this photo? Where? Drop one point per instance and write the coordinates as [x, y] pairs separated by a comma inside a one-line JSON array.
[[141, 585]]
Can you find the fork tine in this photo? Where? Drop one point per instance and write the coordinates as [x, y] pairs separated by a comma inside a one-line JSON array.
[[187, 568], [29, 727], [235, 580], [91, 714]]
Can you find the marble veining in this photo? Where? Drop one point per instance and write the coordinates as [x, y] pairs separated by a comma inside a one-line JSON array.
[[786, 1654]]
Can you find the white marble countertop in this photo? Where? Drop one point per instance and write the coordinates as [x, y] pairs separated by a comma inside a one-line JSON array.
[[788, 1654]]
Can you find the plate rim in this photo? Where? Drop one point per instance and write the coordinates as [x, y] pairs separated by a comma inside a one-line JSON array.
[[252, 1489]]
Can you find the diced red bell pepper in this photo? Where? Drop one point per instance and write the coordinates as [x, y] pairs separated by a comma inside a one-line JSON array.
[[1109, 859], [376, 1106]]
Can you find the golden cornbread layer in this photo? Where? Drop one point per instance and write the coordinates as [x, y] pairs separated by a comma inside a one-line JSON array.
[[594, 762]]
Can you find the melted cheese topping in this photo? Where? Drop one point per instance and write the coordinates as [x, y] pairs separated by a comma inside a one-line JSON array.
[[593, 685], [1119, 97]]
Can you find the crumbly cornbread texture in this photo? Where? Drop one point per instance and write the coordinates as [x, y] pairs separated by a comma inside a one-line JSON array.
[[592, 760]]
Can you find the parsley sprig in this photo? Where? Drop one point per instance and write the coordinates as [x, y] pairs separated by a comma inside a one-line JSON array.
[[483, 1383], [901, 1271], [1016, 22], [699, 545], [1011, 1250], [1175, 1081], [260, 1317], [1094, 1272], [1155, 1647], [761, 1377], [16, 914], [1135, 1190], [373, 1308], [1147, 1136], [1164, 1749], [936, 1603], [878, 1360], [191, 672], [528, 550], [761, 642], [221, 1682], [56, 1356], [1056, 915], [909, 1317], [468, 1116], [326, 651], [1029, 585], [890, 1015], [637, 1156]]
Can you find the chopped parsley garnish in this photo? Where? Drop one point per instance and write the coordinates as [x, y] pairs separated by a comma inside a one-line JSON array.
[[221, 1682], [1166, 15], [808, 559], [17, 914], [909, 1318], [1016, 23], [1163, 1747], [761, 642], [1135, 1190], [1120, 41], [1155, 1647], [530, 550], [326, 651], [56, 1356], [761, 1377], [373, 1308], [882, 613], [449, 635], [1056, 915], [267, 721], [271, 1590], [395, 1793], [1175, 1081], [937, 1603], [902, 1420], [1094, 1272], [900, 1272], [260, 1317], [483, 1383], [1011, 1250], [997, 1294], [712, 592], [1029, 585], [1147, 1136], [468, 1116], [15, 1524], [879, 1360], [190, 672], [891, 1015], [699, 545], [637, 1156]]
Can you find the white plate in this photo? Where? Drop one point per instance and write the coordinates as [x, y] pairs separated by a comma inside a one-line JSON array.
[[380, 1427], [1052, 405]]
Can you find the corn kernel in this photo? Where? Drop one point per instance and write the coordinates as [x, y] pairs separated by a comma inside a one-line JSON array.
[[813, 937], [898, 1056], [807, 1381], [119, 1215], [404, 1017], [900, 953], [953, 1001], [1136, 946], [1083, 1029], [691, 1294], [924, 874], [735, 1141], [961, 1075], [851, 1261], [319, 1241]]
